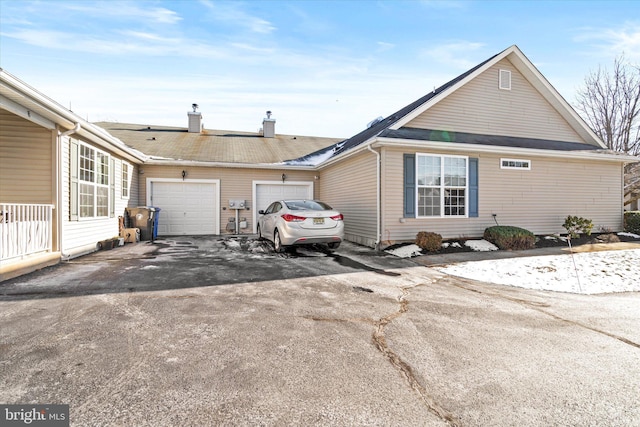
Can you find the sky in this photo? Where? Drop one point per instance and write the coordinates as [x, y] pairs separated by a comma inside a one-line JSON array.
[[324, 68]]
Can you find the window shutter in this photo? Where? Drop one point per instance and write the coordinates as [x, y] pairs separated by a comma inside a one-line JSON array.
[[409, 186], [74, 171], [473, 187], [112, 184]]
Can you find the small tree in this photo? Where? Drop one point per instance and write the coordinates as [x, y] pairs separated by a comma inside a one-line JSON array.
[[610, 103]]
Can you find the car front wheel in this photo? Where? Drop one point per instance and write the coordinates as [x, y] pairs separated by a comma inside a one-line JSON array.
[[260, 234], [277, 243]]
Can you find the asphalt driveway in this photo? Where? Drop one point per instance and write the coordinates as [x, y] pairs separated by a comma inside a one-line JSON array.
[[206, 331]]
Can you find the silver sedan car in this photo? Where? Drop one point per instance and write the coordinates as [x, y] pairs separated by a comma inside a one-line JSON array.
[[300, 222]]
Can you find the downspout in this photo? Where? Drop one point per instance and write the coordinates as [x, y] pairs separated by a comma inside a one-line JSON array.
[[378, 232], [75, 129]]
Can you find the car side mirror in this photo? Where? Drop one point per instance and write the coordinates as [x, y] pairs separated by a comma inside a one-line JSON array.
[[261, 212]]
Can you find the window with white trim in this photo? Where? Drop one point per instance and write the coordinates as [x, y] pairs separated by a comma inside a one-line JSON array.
[[442, 185], [126, 179], [93, 182], [515, 164]]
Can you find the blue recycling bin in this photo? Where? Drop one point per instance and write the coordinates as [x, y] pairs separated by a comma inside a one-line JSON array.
[[156, 218]]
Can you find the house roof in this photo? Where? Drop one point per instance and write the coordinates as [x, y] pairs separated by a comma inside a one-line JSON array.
[[164, 143], [393, 125], [25, 101]]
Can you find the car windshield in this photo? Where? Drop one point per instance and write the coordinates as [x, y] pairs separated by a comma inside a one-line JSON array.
[[307, 205]]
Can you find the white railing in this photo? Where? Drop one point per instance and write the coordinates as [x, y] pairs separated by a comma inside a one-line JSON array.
[[25, 229]]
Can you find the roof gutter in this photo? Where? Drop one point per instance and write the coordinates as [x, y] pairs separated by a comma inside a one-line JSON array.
[[172, 162], [75, 129]]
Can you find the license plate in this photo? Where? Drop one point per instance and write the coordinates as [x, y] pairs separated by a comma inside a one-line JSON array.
[[318, 221]]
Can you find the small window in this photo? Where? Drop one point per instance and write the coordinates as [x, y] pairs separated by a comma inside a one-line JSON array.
[[126, 179], [515, 164], [505, 79]]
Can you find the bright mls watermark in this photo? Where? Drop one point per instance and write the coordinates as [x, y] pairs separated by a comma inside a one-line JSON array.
[[34, 415]]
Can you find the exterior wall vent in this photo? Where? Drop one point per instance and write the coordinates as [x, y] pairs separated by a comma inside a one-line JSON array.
[[505, 79], [269, 126], [195, 119]]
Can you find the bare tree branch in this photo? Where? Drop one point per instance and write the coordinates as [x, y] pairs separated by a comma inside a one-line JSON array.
[[610, 103]]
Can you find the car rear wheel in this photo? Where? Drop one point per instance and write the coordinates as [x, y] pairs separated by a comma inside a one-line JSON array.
[[277, 243], [333, 245]]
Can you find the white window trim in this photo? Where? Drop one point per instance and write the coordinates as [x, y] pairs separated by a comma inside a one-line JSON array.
[[503, 166], [126, 165], [94, 184], [505, 80], [442, 187]]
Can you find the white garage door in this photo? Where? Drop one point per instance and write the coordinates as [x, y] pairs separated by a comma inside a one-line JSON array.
[[267, 193], [187, 208]]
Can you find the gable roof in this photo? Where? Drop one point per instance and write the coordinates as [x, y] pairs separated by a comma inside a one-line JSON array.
[[164, 144], [392, 125]]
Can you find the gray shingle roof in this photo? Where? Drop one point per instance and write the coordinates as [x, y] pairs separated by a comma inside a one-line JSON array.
[[495, 140], [214, 145]]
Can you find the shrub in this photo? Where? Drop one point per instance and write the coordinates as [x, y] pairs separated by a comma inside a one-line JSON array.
[[608, 238], [576, 225], [632, 222], [431, 242], [510, 238]]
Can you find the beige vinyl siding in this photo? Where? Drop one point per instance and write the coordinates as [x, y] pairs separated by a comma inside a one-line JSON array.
[[83, 235], [350, 187], [26, 151], [538, 199], [235, 183], [481, 107]]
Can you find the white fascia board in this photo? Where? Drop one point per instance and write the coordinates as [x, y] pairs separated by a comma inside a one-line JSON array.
[[194, 163], [26, 113], [516, 151]]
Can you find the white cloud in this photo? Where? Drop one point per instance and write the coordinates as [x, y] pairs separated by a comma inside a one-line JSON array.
[[384, 46], [613, 42], [233, 14], [124, 10]]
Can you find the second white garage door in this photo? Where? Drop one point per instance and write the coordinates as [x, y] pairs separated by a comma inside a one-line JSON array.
[[268, 192], [187, 208]]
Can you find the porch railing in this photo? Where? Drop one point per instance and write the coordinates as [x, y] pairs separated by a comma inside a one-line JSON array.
[[25, 229]]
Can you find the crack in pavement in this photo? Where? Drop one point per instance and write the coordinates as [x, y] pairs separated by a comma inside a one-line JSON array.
[[379, 340], [405, 369], [538, 307]]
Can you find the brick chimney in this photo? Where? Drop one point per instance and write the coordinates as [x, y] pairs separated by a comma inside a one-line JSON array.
[[195, 119], [269, 126]]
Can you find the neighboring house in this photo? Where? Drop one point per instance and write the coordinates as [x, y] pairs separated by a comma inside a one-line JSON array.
[[497, 144], [63, 181]]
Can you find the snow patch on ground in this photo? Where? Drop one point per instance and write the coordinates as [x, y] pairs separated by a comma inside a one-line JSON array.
[[634, 236], [481, 245], [597, 272], [407, 251]]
